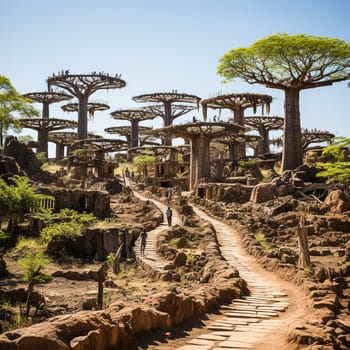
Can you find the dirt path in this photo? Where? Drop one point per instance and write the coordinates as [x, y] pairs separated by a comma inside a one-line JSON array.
[[257, 322], [264, 286]]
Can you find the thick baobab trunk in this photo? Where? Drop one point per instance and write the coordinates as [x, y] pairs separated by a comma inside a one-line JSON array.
[[46, 111], [134, 133], [100, 163], [292, 155], [304, 261], [82, 118], [263, 145], [134, 137], [239, 148], [168, 120], [59, 150], [200, 160], [43, 139]]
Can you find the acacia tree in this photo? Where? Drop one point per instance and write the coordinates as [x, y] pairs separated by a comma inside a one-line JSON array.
[[12, 102], [290, 63], [144, 162]]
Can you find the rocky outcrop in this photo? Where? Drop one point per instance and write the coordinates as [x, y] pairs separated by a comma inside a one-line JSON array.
[[80, 200], [107, 329], [263, 193], [27, 161], [9, 167]]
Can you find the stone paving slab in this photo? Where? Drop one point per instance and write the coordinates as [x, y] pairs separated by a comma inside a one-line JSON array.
[[211, 336], [253, 312], [228, 344], [220, 328], [201, 342], [235, 320], [244, 315], [223, 333], [194, 347]]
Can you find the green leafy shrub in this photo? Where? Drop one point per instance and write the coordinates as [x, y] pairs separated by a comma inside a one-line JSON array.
[[67, 229], [338, 165], [17, 199], [31, 244]]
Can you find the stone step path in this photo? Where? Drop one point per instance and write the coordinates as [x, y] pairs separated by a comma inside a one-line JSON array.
[[246, 321], [151, 259]]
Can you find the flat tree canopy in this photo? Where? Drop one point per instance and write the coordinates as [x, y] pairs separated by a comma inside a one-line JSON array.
[[290, 63]]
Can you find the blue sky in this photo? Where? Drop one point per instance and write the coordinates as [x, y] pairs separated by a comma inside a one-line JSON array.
[[161, 45]]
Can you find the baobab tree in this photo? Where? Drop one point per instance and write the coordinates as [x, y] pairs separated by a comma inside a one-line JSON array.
[[290, 63]]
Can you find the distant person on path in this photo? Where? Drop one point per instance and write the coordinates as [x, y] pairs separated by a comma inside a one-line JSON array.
[[169, 215], [143, 241]]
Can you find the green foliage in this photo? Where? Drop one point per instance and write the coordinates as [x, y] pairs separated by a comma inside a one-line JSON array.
[[248, 164], [110, 259], [32, 263], [260, 237], [144, 161], [67, 229], [337, 149], [190, 258], [42, 157], [70, 223], [288, 61], [11, 102], [3, 235], [338, 168], [72, 215], [29, 244], [18, 198], [84, 154]]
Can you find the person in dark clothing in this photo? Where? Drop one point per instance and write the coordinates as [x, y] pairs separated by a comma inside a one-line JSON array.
[[169, 215], [143, 236]]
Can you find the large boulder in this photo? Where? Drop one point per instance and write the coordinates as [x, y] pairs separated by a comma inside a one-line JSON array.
[[263, 193], [27, 160], [337, 202]]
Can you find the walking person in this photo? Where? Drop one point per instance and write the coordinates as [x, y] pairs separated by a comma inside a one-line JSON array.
[[169, 215], [143, 241]]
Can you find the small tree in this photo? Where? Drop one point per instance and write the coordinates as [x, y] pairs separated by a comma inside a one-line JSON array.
[[12, 102], [18, 199], [32, 263], [290, 63], [144, 162]]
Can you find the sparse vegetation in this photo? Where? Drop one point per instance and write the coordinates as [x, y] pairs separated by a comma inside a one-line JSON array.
[[32, 263], [260, 237]]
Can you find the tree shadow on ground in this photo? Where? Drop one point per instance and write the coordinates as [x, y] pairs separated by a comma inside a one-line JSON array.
[[178, 334]]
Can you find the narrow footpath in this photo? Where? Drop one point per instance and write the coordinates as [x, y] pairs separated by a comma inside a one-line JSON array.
[[258, 321]]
